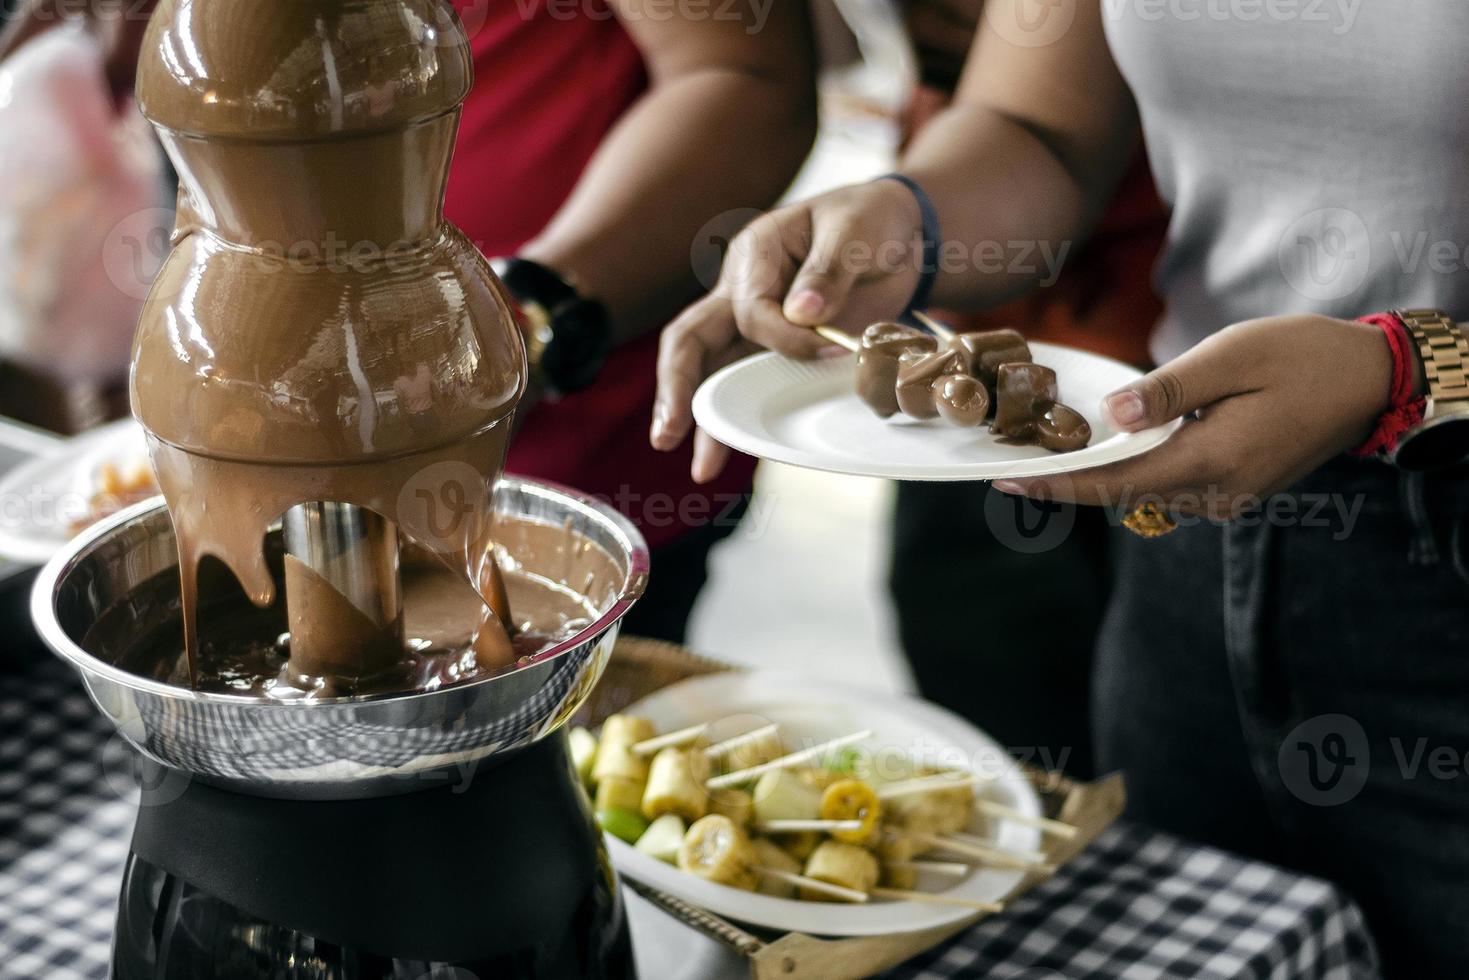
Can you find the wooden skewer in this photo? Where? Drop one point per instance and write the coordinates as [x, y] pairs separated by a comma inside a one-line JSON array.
[[937, 898], [951, 868], [839, 337], [796, 826], [929, 784], [900, 894], [974, 840], [827, 888], [940, 330], [721, 749], [991, 856], [785, 761], [652, 746], [1045, 824]]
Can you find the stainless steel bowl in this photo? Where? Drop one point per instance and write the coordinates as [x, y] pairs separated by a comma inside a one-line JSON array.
[[336, 748]]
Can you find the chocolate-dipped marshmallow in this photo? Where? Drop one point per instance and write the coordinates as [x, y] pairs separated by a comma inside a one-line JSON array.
[[1022, 392], [961, 400], [985, 350], [917, 373], [877, 363]]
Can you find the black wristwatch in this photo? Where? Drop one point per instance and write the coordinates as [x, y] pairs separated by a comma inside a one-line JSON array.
[[568, 336]]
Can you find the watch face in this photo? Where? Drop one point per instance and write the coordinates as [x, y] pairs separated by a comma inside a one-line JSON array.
[[1438, 442]]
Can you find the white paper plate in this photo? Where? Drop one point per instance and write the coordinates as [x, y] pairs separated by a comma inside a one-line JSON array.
[[806, 413], [40, 498], [811, 710]]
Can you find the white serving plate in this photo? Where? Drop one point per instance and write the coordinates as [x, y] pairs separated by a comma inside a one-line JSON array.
[[43, 496], [807, 414], [812, 710]]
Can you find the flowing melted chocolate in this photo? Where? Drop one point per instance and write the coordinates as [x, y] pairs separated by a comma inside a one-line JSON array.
[[319, 332], [557, 582]]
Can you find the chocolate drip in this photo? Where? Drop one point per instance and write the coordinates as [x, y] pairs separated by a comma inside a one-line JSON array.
[[319, 332]]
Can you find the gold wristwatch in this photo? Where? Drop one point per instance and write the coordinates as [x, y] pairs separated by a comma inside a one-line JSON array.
[[1442, 438]]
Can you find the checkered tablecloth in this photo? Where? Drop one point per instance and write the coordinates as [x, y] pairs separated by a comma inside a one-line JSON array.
[[1136, 905]]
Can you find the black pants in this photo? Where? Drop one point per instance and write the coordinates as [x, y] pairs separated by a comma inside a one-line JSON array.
[[679, 570], [998, 602], [1295, 686]]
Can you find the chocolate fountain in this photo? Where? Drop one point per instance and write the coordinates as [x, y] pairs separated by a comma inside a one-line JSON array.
[[347, 645]]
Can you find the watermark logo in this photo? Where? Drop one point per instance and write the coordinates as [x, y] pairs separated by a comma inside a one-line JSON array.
[[756, 248], [1028, 525], [1336, 15], [1326, 254], [438, 504], [1324, 760], [1031, 23], [134, 250], [129, 776]]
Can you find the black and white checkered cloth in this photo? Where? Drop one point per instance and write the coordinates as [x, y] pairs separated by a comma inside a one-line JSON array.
[[1136, 905]]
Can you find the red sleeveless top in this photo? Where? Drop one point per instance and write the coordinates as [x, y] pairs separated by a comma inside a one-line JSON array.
[[550, 82]]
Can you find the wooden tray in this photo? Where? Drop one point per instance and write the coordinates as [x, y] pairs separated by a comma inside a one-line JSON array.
[[639, 667]]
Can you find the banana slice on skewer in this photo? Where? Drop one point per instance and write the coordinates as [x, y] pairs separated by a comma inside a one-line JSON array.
[[615, 757], [769, 855], [736, 804], [782, 795], [718, 851], [841, 864], [939, 811], [620, 794], [852, 799], [676, 785], [800, 844]]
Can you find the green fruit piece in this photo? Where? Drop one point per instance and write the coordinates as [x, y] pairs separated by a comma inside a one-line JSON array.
[[626, 825]]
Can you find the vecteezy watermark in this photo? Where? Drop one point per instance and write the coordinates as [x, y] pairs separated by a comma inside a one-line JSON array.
[[1028, 525], [753, 14], [1337, 512], [1031, 23], [658, 510], [746, 252], [1325, 254], [1338, 16], [136, 247], [136, 780], [42, 507], [1324, 760]]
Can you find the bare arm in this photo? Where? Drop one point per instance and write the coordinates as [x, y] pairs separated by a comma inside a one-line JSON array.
[[1032, 146], [727, 121], [1030, 151]]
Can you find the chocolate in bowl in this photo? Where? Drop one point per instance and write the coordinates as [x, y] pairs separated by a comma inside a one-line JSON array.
[[349, 746]]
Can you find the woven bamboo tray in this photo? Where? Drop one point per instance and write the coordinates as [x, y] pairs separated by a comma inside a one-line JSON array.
[[639, 667]]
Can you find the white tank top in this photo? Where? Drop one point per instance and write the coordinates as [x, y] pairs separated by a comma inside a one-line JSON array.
[[1315, 154]]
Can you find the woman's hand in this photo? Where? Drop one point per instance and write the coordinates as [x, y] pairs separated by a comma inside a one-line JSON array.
[[849, 257], [1275, 398]]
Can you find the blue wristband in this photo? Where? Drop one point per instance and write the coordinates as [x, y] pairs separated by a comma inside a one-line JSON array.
[[929, 269]]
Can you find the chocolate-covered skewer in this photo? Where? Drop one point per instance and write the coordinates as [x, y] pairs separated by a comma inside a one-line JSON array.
[[903, 369]]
